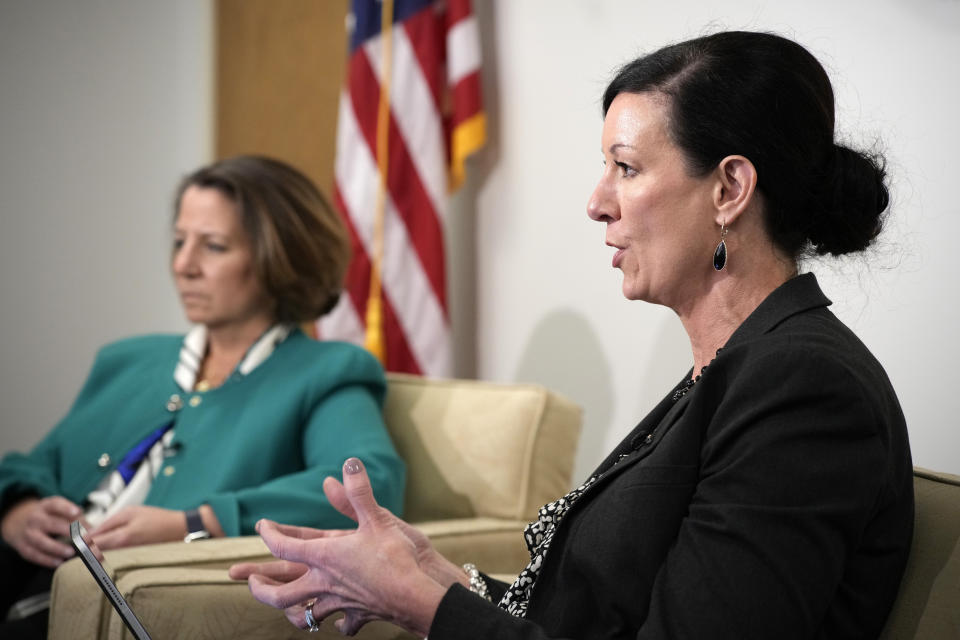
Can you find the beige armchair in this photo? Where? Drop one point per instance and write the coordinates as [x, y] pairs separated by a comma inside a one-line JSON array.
[[928, 605], [481, 459]]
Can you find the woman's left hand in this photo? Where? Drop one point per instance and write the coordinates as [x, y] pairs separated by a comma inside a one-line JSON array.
[[138, 524], [372, 573]]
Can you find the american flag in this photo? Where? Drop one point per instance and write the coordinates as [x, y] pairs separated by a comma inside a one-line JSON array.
[[410, 113]]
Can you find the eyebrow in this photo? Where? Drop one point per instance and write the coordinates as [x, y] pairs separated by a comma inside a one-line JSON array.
[[620, 145], [204, 234]]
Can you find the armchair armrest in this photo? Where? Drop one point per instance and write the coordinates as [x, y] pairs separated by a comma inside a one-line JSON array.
[[80, 610], [191, 580]]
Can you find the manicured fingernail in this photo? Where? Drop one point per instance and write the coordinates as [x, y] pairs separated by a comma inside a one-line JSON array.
[[352, 466]]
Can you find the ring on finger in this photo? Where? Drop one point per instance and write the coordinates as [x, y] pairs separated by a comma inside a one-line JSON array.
[[312, 625]]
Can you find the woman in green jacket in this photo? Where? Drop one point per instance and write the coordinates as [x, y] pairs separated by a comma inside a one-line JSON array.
[[186, 437]]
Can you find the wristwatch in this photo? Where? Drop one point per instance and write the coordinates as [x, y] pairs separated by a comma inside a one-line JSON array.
[[195, 530]]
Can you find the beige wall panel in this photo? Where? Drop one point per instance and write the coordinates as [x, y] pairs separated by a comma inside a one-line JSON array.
[[279, 68]]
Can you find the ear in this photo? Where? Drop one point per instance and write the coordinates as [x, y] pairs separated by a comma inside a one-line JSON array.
[[735, 189]]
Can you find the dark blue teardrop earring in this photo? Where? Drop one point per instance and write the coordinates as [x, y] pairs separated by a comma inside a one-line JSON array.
[[720, 255]]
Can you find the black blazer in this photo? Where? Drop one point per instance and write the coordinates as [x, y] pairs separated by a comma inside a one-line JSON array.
[[774, 500]]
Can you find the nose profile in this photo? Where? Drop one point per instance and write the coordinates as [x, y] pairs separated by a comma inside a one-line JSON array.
[[184, 260], [601, 206]]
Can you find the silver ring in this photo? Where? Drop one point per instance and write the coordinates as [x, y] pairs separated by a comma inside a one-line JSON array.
[[312, 625]]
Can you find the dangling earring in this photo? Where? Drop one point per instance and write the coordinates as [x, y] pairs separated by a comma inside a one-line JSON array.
[[720, 255]]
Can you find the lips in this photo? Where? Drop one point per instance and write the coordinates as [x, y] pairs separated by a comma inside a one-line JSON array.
[[617, 257]]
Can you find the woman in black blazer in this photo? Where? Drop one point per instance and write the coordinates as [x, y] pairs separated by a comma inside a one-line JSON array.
[[769, 494]]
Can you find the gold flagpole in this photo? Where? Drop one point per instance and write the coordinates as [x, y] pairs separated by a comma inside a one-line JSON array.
[[375, 341]]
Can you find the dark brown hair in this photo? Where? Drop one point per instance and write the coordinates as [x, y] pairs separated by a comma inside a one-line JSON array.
[[300, 244]]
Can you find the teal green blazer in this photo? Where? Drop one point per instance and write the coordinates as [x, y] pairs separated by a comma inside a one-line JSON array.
[[259, 446]]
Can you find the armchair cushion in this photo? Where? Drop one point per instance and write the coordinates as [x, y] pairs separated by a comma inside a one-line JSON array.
[[480, 449]]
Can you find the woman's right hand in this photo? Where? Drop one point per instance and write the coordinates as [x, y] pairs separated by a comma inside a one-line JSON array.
[[371, 573], [429, 559], [33, 525]]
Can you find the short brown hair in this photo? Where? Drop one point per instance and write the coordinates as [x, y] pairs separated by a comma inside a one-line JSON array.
[[300, 244]]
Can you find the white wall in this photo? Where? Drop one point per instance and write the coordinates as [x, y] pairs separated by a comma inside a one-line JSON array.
[[549, 307], [104, 104]]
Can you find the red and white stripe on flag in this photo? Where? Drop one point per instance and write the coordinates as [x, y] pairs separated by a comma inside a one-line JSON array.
[[435, 121]]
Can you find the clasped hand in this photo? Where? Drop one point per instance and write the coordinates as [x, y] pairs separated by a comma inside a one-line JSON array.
[[384, 569], [39, 528]]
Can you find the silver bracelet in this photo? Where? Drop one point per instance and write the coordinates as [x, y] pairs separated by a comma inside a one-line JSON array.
[[477, 584]]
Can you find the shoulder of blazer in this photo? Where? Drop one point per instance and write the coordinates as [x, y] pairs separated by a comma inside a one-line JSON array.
[[138, 347], [300, 355], [150, 355]]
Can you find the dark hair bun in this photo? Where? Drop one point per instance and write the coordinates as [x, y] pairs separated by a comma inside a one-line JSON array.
[[852, 206]]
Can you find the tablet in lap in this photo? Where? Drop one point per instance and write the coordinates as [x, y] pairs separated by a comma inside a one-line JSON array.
[[79, 539]]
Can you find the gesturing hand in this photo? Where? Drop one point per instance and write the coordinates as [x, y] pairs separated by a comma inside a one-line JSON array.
[[372, 573], [283, 570], [430, 560], [32, 525]]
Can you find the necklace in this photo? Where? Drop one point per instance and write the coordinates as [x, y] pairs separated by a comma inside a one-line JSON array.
[[687, 384]]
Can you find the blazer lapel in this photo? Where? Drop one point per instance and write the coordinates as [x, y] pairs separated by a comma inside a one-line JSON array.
[[636, 446], [649, 422]]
